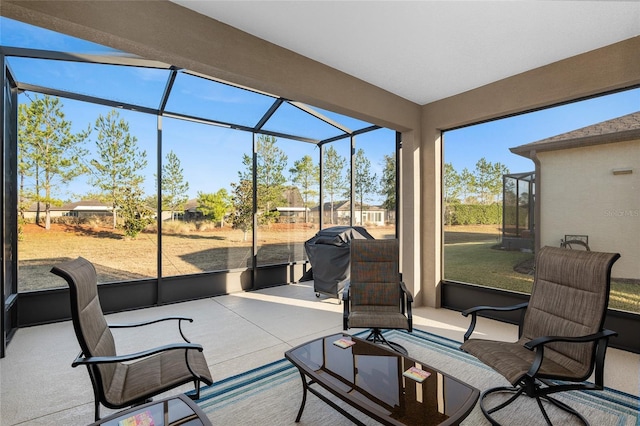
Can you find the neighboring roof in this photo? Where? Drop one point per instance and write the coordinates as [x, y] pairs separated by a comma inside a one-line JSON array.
[[621, 129], [291, 209], [85, 205], [293, 197]]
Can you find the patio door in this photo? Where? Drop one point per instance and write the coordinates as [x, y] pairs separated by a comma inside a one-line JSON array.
[[9, 231]]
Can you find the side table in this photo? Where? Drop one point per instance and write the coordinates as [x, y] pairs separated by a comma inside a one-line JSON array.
[[174, 410]]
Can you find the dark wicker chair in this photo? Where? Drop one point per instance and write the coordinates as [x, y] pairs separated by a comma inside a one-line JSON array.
[[123, 380], [376, 297], [562, 338]]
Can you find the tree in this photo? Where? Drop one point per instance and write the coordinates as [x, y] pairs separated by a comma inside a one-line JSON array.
[[334, 181], [214, 206], [116, 170], [388, 182], [135, 214], [174, 188], [488, 179], [270, 180], [48, 151], [452, 184], [365, 182], [242, 200], [305, 173], [467, 184]]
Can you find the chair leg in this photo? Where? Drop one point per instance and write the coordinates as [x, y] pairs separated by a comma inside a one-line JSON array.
[[517, 391], [196, 395], [97, 409], [566, 408], [375, 336]]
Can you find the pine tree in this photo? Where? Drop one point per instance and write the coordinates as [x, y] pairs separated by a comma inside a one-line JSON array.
[[49, 152], [270, 180], [334, 181], [365, 182], [116, 171], [488, 179], [242, 200], [305, 173], [388, 182], [174, 188], [452, 184]]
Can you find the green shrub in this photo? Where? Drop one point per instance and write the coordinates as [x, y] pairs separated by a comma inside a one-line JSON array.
[[474, 214]]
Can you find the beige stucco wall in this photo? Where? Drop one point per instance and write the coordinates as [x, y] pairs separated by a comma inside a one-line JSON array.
[[581, 195], [166, 32]]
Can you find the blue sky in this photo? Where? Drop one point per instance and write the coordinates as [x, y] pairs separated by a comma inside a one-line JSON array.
[[492, 140], [211, 156]]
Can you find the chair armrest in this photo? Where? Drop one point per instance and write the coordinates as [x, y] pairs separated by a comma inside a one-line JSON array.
[[408, 297], [154, 321], [345, 291], [141, 323], [345, 299], [80, 360], [494, 308], [407, 293], [474, 312], [532, 344], [538, 344]]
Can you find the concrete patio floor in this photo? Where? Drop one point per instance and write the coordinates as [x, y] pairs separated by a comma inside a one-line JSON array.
[[238, 332]]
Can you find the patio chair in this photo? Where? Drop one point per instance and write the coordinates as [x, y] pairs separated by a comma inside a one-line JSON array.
[[579, 241], [561, 337], [123, 380], [375, 297]]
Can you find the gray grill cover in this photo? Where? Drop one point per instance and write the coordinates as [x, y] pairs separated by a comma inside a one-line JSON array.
[[329, 254]]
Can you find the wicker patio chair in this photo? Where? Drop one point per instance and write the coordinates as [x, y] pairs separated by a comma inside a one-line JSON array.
[[123, 380], [562, 338], [376, 297]]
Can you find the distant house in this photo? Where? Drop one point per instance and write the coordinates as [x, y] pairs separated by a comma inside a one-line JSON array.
[[367, 215], [189, 213], [79, 209], [588, 184], [294, 210]]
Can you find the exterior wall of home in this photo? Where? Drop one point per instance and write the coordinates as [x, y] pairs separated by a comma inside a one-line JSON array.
[[582, 196], [164, 31], [54, 213]]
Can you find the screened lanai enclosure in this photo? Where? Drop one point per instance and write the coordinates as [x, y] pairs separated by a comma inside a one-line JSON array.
[[518, 199], [176, 185]]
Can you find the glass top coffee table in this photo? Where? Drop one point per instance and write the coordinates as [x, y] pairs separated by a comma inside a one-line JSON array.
[[372, 379]]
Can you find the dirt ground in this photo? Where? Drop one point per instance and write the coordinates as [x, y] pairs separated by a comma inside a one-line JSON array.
[[121, 258]]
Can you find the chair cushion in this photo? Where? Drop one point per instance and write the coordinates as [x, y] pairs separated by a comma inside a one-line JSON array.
[[378, 319], [154, 374], [376, 293], [513, 360]]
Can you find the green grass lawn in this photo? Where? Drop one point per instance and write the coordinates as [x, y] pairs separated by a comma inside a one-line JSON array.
[[478, 263]]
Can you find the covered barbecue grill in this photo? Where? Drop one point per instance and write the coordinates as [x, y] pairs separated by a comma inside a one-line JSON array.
[[329, 253]]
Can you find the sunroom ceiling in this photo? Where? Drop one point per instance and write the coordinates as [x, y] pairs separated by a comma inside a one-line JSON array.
[[429, 50], [120, 80]]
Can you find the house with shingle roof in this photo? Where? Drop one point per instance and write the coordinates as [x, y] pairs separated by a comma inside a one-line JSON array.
[[588, 184], [365, 215], [79, 209]]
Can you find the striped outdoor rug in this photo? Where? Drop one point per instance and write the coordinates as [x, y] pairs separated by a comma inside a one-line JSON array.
[[271, 394]]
